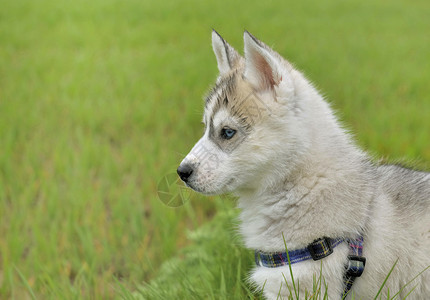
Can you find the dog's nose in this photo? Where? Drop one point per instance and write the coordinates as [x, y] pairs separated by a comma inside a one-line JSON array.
[[185, 171]]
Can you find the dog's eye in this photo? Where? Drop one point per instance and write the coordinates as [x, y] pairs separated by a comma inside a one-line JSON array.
[[227, 133]]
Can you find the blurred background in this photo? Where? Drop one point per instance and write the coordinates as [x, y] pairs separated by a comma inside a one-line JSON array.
[[100, 100]]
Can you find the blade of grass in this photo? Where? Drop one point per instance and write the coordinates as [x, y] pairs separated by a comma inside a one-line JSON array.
[[320, 280], [419, 274], [386, 278], [223, 289], [289, 266], [29, 289], [407, 295], [279, 292], [287, 284], [121, 289]]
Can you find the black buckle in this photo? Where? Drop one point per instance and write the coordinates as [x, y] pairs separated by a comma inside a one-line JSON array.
[[320, 248], [355, 266]]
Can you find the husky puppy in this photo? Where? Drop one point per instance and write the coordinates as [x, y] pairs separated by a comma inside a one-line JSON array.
[[271, 139]]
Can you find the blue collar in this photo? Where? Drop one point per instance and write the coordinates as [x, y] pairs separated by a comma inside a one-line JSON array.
[[317, 250]]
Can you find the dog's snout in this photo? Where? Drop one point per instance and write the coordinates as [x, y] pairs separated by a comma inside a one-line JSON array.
[[185, 171]]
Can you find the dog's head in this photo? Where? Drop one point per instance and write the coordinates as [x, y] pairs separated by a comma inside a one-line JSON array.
[[250, 132]]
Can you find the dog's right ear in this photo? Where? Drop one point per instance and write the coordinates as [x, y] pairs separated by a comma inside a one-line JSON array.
[[262, 67], [227, 58]]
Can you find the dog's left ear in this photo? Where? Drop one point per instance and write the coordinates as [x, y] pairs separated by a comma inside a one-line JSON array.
[[262, 67], [227, 58]]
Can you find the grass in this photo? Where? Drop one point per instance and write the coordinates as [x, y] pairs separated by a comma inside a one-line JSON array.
[[213, 267], [100, 100]]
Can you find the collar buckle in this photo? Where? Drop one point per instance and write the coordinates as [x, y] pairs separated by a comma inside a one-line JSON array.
[[355, 265]]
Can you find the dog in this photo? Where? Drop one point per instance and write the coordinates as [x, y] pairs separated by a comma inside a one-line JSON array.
[[305, 189]]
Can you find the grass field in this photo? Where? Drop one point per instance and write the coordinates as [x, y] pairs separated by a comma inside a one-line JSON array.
[[99, 100]]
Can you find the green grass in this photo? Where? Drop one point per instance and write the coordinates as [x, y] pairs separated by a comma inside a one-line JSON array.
[[99, 100], [213, 267]]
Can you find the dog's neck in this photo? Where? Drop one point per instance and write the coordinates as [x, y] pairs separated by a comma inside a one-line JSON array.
[[327, 194]]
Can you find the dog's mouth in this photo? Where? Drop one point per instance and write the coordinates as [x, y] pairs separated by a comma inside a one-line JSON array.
[[188, 185], [194, 188], [201, 190], [223, 188]]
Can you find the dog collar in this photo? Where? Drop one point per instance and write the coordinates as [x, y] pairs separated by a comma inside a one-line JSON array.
[[317, 250]]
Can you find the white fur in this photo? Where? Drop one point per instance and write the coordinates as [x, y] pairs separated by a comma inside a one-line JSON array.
[[298, 173]]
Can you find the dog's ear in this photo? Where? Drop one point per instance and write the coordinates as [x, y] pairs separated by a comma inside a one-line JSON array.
[[227, 58], [262, 64]]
